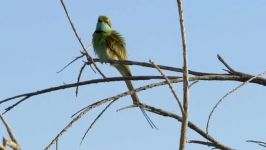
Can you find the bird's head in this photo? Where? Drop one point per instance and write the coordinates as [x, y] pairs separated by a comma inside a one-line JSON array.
[[104, 24]]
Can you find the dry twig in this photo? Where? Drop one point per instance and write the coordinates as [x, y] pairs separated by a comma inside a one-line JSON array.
[[170, 87], [89, 58], [12, 143], [94, 121], [79, 76], [183, 136], [260, 143], [227, 94]]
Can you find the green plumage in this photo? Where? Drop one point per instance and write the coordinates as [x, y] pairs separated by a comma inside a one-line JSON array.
[[108, 44], [111, 45]]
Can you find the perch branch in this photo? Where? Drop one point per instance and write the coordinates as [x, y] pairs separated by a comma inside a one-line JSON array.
[[145, 64], [25, 96]]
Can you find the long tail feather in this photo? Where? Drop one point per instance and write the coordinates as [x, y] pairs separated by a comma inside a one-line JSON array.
[[136, 101], [125, 71]]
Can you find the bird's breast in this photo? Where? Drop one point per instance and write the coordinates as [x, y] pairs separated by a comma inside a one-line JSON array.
[[100, 47]]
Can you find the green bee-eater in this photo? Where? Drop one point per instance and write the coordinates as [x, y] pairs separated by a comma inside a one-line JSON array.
[[108, 44]]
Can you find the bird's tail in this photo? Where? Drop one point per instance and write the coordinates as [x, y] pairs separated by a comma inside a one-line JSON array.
[[125, 71]]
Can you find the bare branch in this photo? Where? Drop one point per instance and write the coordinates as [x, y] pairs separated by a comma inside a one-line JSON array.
[[170, 87], [263, 144], [183, 136], [190, 125], [13, 143], [96, 120], [163, 67], [74, 120], [25, 96], [86, 109], [227, 94], [231, 70], [77, 58], [79, 39], [202, 143], [80, 72]]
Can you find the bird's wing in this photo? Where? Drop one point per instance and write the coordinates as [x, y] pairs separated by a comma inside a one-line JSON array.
[[117, 46], [117, 51]]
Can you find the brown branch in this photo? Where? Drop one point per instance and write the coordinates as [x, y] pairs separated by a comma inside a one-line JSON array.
[[86, 109], [25, 96], [74, 120], [163, 67], [13, 143], [202, 143], [190, 125], [79, 39], [183, 136], [170, 87]]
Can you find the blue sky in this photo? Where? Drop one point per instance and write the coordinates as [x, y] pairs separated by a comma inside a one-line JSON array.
[[37, 41]]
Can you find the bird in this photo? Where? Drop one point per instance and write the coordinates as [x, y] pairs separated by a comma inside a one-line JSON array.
[[108, 44]]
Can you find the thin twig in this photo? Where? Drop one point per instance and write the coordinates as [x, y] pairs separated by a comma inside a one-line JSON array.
[[231, 70], [80, 72], [94, 121], [227, 94], [78, 57], [57, 145], [170, 87], [263, 144], [17, 103], [202, 143], [193, 83], [79, 39], [183, 136], [74, 120]]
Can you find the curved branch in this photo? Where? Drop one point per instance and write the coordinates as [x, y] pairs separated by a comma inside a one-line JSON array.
[[161, 112], [25, 96], [190, 125], [145, 64]]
